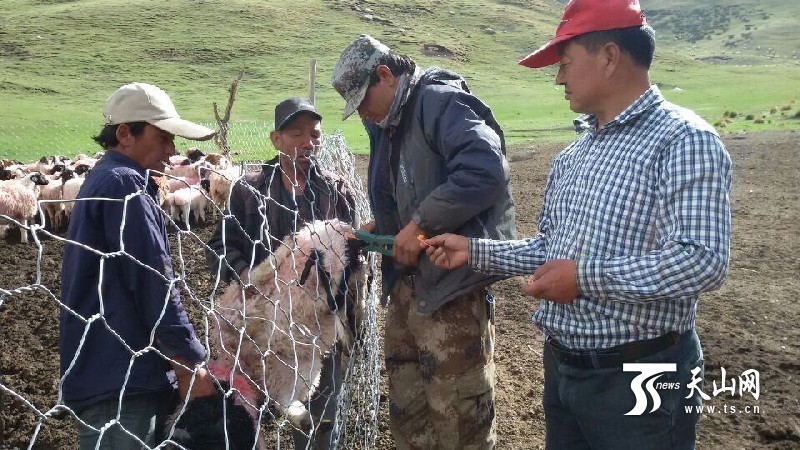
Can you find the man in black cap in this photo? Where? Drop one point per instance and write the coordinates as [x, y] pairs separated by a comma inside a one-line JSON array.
[[267, 206]]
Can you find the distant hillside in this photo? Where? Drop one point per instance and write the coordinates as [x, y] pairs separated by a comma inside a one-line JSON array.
[[749, 32], [60, 59]]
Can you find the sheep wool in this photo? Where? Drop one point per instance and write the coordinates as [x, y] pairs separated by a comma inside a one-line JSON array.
[[18, 200], [275, 330]]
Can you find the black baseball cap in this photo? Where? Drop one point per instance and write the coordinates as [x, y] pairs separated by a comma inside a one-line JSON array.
[[288, 109]]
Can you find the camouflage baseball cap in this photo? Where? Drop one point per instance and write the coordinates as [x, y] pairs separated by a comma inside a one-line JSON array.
[[352, 71]]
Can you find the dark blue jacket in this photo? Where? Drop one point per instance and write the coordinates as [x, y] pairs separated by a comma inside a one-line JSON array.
[[443, 166], [136, 298]]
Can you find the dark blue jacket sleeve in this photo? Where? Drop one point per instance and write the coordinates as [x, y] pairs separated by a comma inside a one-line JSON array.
[[478, 173], [147, 266]]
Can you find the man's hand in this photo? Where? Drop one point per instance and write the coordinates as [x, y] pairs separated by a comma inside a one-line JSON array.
[[448, 251], [556, 280], [406, 248], [203, 382]]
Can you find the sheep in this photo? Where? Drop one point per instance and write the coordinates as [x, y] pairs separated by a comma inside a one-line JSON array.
[[193, 155], [192, 172], [18, 201], [6, 174], [8, 162], [69, 192], [189, 199], [178, 160], [220, 186], [14, 172], [56, 169], [217, 160], [42, 165], [55, 191], [175, 183], [82, 169], [83, 159], [293, 313]]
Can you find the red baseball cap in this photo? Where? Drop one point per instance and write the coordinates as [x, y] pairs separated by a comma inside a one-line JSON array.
[[585, 16]]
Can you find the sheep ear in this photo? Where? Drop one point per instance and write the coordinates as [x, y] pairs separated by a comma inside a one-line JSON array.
[[310, 262]]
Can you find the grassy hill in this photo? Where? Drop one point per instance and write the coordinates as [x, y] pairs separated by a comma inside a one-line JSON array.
[[60, 59]]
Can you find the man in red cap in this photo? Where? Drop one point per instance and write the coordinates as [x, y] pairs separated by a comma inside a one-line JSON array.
[[635, 225]]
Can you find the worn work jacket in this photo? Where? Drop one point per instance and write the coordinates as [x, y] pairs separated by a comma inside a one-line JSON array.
[[444, 167], [264, 213]]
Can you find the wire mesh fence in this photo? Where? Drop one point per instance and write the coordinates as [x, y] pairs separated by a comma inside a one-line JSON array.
[[36, 417], [248, 140]]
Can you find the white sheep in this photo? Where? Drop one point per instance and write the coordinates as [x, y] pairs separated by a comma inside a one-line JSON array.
[[274, 341], [54, 191], [189, 199], [191, 173], [69, 192], [18, 202], [220, 182], [14, 172]]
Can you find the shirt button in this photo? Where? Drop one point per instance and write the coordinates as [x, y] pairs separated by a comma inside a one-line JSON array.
[[422, 303]]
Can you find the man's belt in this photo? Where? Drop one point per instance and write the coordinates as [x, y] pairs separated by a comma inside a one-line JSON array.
[[613, 356]]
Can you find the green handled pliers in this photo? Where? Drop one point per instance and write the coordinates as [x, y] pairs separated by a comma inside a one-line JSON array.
[[380, 243]]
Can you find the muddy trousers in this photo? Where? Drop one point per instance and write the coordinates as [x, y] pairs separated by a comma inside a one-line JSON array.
[[441, 371]]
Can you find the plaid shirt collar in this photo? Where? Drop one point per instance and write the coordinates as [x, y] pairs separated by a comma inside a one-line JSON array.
[[651, 98]]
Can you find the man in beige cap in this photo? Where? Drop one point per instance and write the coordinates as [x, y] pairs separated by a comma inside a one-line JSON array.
[[635, 225], [123, 326], [437, 164]]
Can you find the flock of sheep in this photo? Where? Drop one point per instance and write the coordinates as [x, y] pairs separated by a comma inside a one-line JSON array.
[[193, 184]]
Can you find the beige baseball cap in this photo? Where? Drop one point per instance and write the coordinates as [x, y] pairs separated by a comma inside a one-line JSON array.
[[142, 102]]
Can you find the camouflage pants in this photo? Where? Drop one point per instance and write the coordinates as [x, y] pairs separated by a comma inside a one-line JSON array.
[[441, 371]]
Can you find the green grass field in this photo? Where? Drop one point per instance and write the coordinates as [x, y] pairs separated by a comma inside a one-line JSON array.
[[59, 60]]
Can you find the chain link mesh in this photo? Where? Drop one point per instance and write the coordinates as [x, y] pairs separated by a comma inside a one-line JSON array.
[[356, 421]]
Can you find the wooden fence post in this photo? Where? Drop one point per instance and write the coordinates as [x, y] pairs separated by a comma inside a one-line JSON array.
[[312, 80], [221, 137]]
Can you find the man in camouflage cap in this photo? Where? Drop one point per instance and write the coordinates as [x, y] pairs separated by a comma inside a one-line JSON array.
[[437, 164]]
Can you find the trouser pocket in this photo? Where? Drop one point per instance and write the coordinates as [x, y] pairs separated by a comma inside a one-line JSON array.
[[475, 406]]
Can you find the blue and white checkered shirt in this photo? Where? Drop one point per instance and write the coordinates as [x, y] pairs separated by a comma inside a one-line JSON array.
[[642, 206]]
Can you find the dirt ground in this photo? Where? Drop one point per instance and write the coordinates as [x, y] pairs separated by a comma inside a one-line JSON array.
[[751, 323]]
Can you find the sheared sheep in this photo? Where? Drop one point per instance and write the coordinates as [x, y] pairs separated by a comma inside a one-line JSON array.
[[220, 186], [191, 173], [218, 160], [294, 311], [18, 201], [189, 199], [69, 192], [55, 191]]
